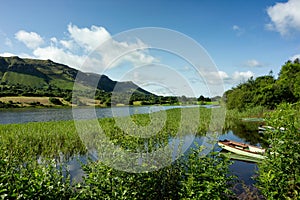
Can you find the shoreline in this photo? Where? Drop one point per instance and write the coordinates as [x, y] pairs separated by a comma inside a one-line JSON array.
[[24, 102]]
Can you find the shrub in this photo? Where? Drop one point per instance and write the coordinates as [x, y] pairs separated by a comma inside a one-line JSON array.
[[279, 174], [55, 101]]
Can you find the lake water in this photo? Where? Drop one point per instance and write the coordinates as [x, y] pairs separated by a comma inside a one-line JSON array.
[[244, 171], [18, 116], [241, 131]]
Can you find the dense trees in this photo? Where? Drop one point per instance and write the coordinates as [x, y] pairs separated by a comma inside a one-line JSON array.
[[266, 90], [289, 79], [105, 98], [204, 99], [23, 90]]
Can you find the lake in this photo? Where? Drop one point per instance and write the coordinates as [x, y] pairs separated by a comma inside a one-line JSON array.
[[239, 131], [18, 116]]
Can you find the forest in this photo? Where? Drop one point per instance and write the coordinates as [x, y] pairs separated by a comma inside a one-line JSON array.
[[267, 91]]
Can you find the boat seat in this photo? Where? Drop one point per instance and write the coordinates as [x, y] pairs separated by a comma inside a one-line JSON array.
[[238, 144]]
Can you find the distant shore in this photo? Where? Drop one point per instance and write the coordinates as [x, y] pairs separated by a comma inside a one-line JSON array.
[[15, 102]]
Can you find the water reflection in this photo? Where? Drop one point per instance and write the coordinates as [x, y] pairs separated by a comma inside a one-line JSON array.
[[241, 132], [234, 130], [246, 132]]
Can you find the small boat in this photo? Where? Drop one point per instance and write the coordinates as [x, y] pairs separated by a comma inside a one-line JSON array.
[[252, 119], [263, 128], [242, 149]]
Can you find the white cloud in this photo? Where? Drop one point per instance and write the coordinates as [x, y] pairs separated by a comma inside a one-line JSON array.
[[235, 27], [80, 46], [22, 55], [220, 77], [284, 17], [31, 39], [53, 40], [294, 57], [59, 55], [114, 53], [223, 75], [88, 38], [239, 31], [6, 54], [216, 82], [242, 76], [67, 44], [253, 63], [215, 77]]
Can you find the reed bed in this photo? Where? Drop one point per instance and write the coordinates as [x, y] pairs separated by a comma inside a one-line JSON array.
[[30, 154]]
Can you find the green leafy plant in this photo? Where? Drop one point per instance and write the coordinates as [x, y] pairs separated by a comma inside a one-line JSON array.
[[279, 174], [206, 177], [27, 179]]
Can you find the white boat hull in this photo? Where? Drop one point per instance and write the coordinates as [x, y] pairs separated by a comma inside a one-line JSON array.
[[239, 157], [241, 151]]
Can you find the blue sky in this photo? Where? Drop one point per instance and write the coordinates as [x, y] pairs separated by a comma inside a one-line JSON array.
[[243, 38]]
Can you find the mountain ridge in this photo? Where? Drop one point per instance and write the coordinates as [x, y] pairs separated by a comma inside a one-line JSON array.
[[44, 73]]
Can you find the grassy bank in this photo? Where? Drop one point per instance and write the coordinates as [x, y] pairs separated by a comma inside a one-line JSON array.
[[39, 102]]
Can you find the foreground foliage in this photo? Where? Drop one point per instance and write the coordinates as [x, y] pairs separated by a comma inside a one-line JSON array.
[[195, 177], [198, 177], [279, 174], [31, 180]]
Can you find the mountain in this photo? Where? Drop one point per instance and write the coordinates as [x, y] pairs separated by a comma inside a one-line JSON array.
[[44, 73]]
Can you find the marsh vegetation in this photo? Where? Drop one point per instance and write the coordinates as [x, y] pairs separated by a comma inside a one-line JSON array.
[[32, 155]]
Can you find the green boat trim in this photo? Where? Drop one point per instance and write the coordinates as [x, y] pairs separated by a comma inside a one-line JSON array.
[[238, 157]]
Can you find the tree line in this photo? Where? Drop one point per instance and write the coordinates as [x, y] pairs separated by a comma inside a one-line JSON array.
[[267, 91], [105, 98]]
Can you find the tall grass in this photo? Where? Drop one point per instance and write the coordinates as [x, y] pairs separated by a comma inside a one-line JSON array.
[[255, 112], [22, 146], [50, 139], [47, 139]]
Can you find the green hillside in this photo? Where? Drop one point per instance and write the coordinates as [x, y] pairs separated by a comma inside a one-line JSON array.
[[46, 73], [23, 79], [45, 78]]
